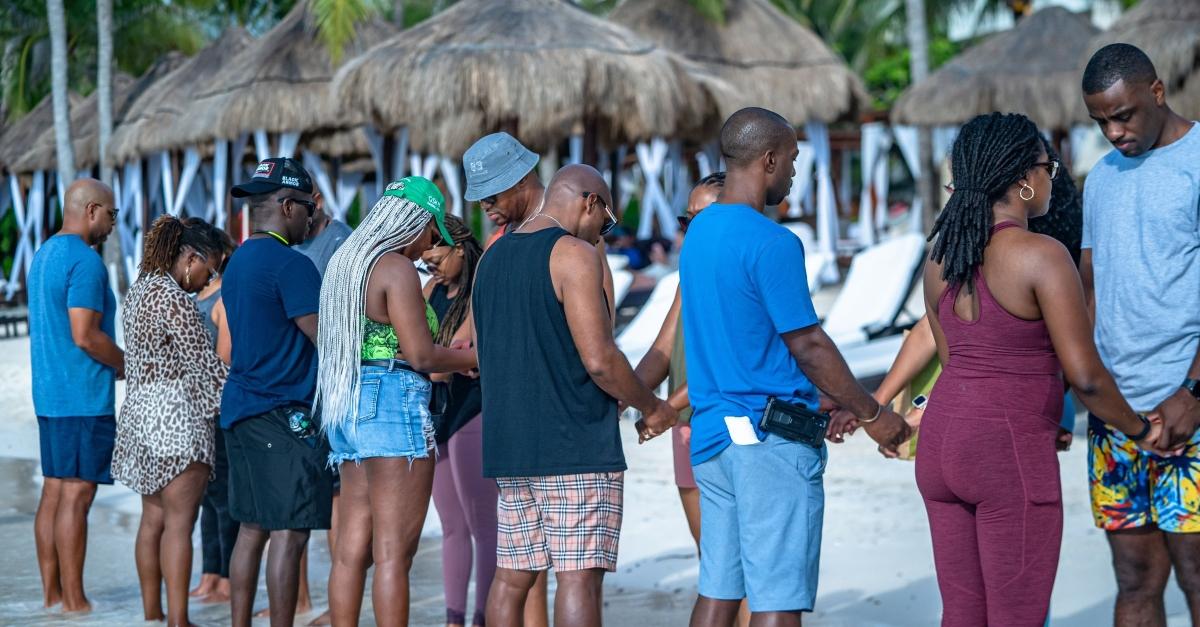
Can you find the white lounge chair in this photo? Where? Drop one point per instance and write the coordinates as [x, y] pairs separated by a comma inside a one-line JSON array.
[[637, 338], [622, 281]]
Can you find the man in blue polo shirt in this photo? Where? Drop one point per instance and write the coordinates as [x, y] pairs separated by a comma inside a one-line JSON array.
[[279, 487], [750, 332], [75, 363]]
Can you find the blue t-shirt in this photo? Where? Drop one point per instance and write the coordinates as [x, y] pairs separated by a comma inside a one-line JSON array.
[[743, 283], [1141, 219], [266, 286], [67, 274]]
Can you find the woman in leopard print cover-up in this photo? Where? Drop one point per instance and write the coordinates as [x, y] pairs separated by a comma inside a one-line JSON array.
[[164, 448]]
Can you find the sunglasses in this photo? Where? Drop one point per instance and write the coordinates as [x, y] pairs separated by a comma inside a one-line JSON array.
[[309, 206], [1051, 167], [610, 222], [490, 200]]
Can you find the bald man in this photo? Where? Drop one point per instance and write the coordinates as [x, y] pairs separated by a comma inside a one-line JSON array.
[[75, 365], [554, 447], [750, 334]]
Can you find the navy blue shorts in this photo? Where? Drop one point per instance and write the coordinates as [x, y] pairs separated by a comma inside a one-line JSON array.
[[78, 447]]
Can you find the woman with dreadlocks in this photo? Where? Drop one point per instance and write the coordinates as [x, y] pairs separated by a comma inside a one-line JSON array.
[[165, 443], [1006, 308], [465, 500], [376, 345]]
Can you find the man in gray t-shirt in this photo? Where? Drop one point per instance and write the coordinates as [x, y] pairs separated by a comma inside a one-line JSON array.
[[324, 236], [1141, 271]]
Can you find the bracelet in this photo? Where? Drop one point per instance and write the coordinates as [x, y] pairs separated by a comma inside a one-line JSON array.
[[1145, 429], [878, 412]]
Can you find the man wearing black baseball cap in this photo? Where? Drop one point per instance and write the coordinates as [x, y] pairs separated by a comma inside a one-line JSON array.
[[279, 488]]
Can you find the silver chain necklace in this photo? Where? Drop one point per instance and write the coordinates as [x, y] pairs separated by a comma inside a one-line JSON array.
[[548, 217]]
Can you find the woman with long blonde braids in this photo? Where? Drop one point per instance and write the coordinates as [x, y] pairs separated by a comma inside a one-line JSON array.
[[376, 345]]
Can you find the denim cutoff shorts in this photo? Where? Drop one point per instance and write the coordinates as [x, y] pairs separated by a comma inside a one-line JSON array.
[[392, 420]]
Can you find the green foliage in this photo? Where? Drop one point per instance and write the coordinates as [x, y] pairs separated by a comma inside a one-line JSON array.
[[8, 240], [337, 20], [889, 74]]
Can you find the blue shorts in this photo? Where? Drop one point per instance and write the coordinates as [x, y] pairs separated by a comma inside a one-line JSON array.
[[392, 420], [78, 447], [761, 512]]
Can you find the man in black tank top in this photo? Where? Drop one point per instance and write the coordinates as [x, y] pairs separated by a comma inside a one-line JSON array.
[[552, 375]]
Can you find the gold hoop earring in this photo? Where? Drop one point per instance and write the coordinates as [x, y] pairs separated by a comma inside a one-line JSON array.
[[1025, 186]]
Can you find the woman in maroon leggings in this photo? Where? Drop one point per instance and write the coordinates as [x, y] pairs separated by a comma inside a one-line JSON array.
[[1007, 308]]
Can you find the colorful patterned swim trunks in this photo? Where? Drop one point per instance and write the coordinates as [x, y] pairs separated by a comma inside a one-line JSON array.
[[1132, 488]]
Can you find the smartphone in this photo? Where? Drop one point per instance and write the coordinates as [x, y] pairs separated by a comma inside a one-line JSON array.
[[919, 401]]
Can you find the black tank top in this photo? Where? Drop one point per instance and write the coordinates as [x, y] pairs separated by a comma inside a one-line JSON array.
[[542, 413], [465, 399]]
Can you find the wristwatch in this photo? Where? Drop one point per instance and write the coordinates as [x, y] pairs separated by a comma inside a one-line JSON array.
[[1145, 429], [1193, 386]]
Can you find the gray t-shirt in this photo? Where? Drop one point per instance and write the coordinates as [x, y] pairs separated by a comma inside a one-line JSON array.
[[321, 248], [1141, 218]]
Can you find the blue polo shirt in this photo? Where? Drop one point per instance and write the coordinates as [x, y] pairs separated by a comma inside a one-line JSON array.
[[265, 287], [743, 283]]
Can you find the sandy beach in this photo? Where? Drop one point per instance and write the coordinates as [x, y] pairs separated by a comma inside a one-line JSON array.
[[876, 567]]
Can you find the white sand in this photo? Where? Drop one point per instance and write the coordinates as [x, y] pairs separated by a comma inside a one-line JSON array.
[[877, 566]]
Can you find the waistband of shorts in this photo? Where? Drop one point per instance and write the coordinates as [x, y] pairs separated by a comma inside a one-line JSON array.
[[392, 364]]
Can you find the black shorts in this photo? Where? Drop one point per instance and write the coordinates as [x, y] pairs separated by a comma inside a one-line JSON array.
[[276, 480]]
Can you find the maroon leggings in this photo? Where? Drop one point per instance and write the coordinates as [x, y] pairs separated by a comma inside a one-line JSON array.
[[466, 505], [992, 491]]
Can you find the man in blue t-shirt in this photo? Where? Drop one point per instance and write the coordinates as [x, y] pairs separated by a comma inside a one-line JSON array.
[[75, 363], [750, 333], [279, 487], [1141, 273]]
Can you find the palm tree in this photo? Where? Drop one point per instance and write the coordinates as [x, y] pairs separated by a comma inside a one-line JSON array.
[[104, 30], [58, 71]]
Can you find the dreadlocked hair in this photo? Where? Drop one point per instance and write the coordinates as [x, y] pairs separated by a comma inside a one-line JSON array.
[[392, 224], [168, 237], [472, 251], [1064, 221], [991, 153], [716, 179]]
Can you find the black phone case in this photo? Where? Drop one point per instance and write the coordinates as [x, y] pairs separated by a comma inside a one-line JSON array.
[[794, 422]]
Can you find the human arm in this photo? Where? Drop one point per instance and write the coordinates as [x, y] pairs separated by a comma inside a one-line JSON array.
[[918, 349], [1089, 286], [401, 286], [192, 348], [577, 275], [86, 333], [224, 342], [656, 364], [1180, 413]]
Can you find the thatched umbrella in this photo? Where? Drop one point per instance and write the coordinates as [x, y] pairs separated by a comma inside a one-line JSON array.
[[1033, 69], [23, 134], [85, 119], [276, 84], [542, 69], [768, 58], [149, 126], [1169, 32]]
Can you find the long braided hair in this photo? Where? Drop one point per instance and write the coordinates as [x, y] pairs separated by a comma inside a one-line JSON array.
[[168, 237], [472, 251], [1064, 221], [991, 153], [392, 224]]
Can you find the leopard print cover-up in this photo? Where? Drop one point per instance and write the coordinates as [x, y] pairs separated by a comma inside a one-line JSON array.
[[173, 387]]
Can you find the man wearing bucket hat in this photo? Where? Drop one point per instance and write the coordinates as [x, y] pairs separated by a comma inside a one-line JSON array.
[[279, 488], [373, 391]]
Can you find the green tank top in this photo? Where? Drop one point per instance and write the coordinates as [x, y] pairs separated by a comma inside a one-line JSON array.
[[379, 339], [677, 374]]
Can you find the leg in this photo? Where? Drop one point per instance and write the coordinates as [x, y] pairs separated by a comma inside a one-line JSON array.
[[303, 596], [721, 585], [352, 548], [456, 540], [477, 496], [227, 527], [537, 603], [1143, 566], [210, 548], [243, 571], [283, 574], [43, 537], [506, 600], [579, 599], [1184, 549], [399, 493], [690, 499], [70, 540], [146, 555], [326, 617], [180, 503]]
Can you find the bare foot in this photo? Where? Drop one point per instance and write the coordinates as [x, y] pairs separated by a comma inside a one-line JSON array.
[[208, 583], [263, 613], [52, 599], [320, 621], [303, 606], [77, 608], [159, 619], [216, 596]]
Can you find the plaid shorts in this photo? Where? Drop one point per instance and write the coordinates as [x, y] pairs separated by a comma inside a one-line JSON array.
[[570, 522]]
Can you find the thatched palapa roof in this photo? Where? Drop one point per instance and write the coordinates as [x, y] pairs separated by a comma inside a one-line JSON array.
[[1033, 69], [23, 134], [541, 68], [150, 123], [767, 57], [1168, 31], [279, 83]]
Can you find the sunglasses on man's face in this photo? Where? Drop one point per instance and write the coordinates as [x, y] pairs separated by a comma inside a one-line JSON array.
[[610, 221], [309, 206]]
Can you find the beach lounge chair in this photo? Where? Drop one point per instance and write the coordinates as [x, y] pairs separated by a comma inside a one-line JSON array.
[[622, 281], [637, 337]]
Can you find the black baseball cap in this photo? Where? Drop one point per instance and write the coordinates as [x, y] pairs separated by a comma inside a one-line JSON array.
[[272, 174]]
